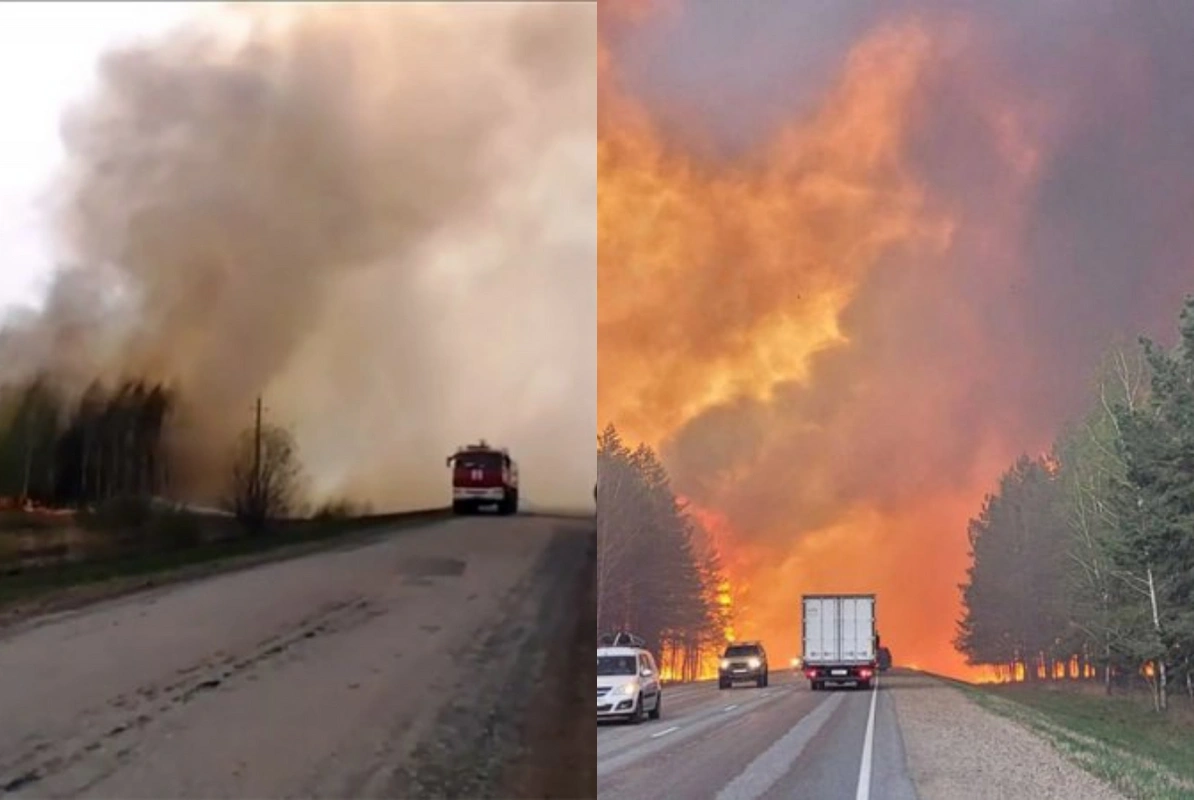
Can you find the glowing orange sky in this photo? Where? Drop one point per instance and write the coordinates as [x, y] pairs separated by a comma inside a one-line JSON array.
[[791, 237], [720, 281]]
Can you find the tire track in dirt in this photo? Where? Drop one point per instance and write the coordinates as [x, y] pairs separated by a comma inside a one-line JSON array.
[[151, 702], [435, 659]]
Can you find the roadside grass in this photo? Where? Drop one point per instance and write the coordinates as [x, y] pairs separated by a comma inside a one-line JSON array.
[[1119, 739], [64, 586], [23, 520]]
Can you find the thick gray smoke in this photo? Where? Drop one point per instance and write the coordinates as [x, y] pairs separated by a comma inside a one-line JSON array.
[[379, 216]]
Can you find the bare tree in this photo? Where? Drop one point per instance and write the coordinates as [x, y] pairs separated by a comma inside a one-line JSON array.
[[266, 476]]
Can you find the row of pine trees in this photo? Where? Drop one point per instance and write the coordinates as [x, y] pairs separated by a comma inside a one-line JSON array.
[[657, 576], [1083, 559], [71, 454]]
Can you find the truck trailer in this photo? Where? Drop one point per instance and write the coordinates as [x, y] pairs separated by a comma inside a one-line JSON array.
[[840, 645]]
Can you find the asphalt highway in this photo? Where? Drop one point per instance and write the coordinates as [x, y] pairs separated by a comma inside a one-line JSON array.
[[429, 663], [782, 741]]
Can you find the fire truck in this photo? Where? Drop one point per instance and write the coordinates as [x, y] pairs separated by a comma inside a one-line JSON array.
[[483, 476]]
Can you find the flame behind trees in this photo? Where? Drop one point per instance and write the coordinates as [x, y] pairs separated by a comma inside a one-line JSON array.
[[111, 444], [1083, 560], [1017, 544], [114, 446], [657, 576]]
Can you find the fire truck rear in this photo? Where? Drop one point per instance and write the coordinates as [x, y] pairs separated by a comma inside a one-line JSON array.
[[483, 476]]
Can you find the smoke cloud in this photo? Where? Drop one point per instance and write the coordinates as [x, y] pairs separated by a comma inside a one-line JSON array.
[[379, 216], [916, 237]]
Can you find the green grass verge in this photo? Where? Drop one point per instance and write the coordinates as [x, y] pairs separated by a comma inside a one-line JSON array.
[[1119, 739], [85, 581]]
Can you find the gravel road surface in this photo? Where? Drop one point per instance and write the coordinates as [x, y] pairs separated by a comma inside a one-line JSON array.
[[958, 749], [425, 664]]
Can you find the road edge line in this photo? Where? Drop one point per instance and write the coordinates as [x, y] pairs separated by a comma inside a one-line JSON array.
[[868, 749]]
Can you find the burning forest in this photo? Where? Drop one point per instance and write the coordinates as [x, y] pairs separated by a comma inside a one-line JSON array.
[[1083, 558], [854, 261], [658, 569], [333, 206]]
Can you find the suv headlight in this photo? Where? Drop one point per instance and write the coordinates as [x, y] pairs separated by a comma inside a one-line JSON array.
[[754, 663], [724, 663], [626, 689]]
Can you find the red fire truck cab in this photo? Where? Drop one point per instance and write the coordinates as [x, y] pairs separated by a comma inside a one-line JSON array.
[[483, 476]]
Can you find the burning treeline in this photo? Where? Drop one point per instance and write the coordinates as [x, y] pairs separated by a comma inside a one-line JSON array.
[[368, 213], [1083, 558], [840, 310], [658, 572]]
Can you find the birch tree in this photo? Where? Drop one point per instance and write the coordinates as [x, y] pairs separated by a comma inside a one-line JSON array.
[[1103, 607], [1156, 547]]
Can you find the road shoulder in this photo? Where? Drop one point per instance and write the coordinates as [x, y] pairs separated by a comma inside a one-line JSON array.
[[559, 755], [50, 594], [956, 748], [1119, 739], [889, 767]]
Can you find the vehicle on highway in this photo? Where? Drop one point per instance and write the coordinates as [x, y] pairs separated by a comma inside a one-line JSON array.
[[839, 638], [884, 659], [743, 661], [483, 476], [628, 685]]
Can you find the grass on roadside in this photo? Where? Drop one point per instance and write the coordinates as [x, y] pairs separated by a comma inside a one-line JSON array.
[[139, 569], [1119, 739]]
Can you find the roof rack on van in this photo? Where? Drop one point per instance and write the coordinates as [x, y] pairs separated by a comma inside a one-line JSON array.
[[622, 639]]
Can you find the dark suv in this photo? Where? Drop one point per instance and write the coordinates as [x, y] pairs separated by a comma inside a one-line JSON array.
[[743, 661]]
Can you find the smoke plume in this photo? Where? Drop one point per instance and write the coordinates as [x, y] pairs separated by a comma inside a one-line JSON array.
[[379, 216], [844, 307]]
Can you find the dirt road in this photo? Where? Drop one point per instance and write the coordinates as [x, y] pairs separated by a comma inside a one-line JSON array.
[[434, 663]]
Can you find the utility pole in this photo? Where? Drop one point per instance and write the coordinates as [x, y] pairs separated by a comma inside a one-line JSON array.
[[257, 457]]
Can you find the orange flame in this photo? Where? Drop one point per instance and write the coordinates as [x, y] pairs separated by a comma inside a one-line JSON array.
[[720, 281], [823, 202], [1051, 463]]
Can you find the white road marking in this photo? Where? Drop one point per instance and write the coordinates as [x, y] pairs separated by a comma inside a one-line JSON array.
[[868, 744], [672, 729], [620, 748], [731, 708], [766, 770]]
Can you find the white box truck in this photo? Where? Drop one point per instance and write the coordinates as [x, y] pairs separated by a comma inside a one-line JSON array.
[[840, 643]]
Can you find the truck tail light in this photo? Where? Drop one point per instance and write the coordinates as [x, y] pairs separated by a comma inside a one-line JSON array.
[[865, 673], [810, 673]]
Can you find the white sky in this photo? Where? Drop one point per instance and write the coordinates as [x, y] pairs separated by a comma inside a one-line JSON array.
[[48, 53]]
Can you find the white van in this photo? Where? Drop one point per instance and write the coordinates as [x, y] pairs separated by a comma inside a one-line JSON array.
[[628, 684]]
